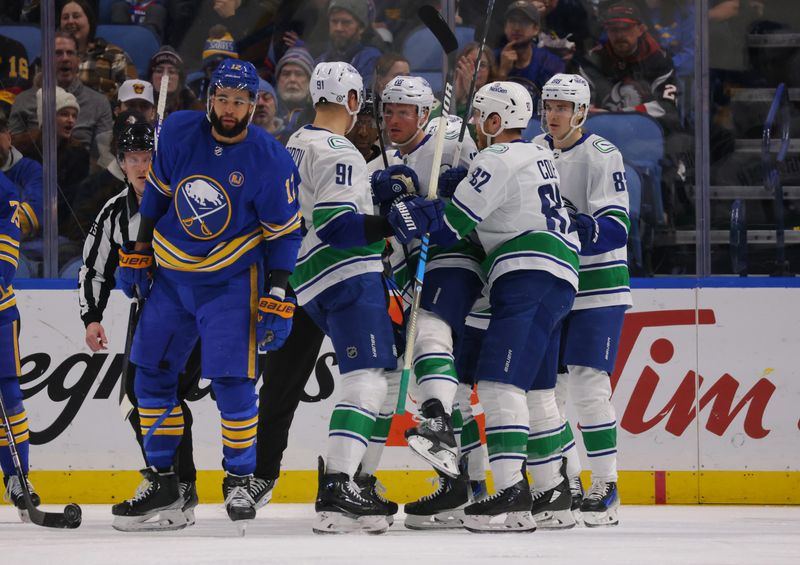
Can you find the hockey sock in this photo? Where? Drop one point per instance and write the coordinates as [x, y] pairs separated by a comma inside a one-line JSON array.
[[236, 400], [506, 431], [568, 449], [162, 429], [590, 390], [433, 361], [383, 423], [470, 439], [18, 418], [353, 419], [544, 440]]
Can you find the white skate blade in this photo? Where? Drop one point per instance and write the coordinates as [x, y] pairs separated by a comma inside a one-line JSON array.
[[445, 461], [600, 519], [555, 520], [189, 514], [447, 520], [24, 515], [164, 521], [507, 522], [241, 527], [340, 523], [578, 516]]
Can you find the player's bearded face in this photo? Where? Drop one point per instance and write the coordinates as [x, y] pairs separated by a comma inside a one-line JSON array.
[[230, 112]]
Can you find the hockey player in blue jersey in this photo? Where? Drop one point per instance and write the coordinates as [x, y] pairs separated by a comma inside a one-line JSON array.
[[220, 208], [10, 210]]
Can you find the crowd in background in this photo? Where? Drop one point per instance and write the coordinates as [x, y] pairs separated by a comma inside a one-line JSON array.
[[638, 56]]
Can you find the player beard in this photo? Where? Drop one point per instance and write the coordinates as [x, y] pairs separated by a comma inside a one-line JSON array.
[[233, 131]]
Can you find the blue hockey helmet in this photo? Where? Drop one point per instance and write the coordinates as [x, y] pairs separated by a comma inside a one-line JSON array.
[[234, 73]]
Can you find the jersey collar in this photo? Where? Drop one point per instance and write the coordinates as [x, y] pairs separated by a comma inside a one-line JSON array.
[[581, 139]]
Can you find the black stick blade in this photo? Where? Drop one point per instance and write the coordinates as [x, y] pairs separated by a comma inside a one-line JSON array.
[[434, 21]]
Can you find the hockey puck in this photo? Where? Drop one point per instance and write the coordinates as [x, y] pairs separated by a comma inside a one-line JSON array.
[[73, 515]]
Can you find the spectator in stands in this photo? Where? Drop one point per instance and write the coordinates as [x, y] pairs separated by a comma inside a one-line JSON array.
[[218, 47], [520, 60], [14, 72], [26, 174], [137, 95], [630, 72], [303, 23], [673, 28], [265, 115], [465, 69], [95, 115], [294, 98], [248, 22], [388, 66], [364, 134], [97, 188], [72, 158], [565, 26], [148, 13], [179, 97], [347, 22], [103, 66]]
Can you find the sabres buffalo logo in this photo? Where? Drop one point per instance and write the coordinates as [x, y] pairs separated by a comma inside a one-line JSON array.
[[203, 207]]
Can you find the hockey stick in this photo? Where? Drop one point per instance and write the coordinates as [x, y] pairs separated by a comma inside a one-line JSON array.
[[433, 20], [471, 93], [125, 404], [71, 516]]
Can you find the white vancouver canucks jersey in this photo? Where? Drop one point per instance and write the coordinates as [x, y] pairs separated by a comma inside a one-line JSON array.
[[593, 179], [511, 199], [333, 182]]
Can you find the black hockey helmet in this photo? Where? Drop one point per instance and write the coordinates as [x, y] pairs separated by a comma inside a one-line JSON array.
[[138, 136]]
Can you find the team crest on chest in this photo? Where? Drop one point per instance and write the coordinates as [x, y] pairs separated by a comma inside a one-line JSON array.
[[236, 179], [203, 206]]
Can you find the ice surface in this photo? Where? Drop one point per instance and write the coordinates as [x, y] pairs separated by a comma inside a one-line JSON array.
[[647, 535]]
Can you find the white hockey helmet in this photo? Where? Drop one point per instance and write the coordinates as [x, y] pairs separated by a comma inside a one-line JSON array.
[[409, 90], [509, 100], [332, 83], [569, 88]]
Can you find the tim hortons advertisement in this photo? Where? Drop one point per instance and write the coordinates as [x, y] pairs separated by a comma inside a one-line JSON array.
[[706, 379]]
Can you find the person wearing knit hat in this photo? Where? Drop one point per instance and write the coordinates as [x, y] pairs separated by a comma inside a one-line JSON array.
[[294, 99], [265, 115], [219, 45], [179, 97], [67, 110], [347, 22]]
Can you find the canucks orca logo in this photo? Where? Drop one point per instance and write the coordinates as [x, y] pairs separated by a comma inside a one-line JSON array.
[[203, 206]]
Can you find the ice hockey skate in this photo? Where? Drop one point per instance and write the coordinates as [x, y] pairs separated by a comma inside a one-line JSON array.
[[261, 491], [239, 503], [442, 509], [342, 507], [551, 508], [600, 506], [508, 510], [371, 487], [13, 495], [190, 501], [157, 505], [576, 488], [433, 439]]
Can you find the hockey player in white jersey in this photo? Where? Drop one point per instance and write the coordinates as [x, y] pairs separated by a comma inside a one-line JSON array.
[[593, 180], [453, 281], [338, 281], [511, 200]]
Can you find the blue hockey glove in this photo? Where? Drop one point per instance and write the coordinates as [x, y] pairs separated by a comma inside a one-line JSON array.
[[414, 218], [448, 180], [274, 321], [588, 230], [135, 272], [392, 182]]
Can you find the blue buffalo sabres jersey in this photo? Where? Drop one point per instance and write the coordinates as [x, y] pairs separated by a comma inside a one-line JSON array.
[[219, 204], [9, 248]]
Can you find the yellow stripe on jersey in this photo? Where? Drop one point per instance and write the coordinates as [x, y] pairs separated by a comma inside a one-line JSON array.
[[239, 424], [172, 425], [239, 434], [274, 231], [15, 340], [224, 254], [252, 350], [7, 299], [162, 187], [19, 429]]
